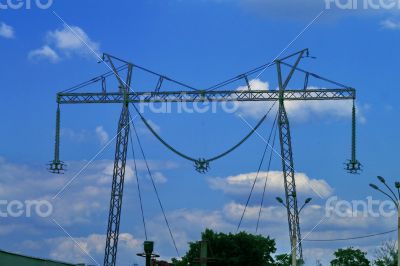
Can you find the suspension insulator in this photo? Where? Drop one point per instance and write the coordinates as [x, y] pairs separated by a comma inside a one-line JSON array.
[[202, 165], [353, 166], [57, 166]]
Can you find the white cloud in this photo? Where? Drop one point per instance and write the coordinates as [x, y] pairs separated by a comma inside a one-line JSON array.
[[390, 24], [159, 178], [75, 250], [6, 31], [46, 52], [187, 224], [300, 111], [240, 184], [253, 109], [72, 39], [82, 210], [343, 221], [102, 135], [66, 41], [83, 198], [234, 211], [108, 168]]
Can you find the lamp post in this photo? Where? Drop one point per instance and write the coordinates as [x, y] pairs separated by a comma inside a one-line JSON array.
[[148, 252], [395, 198], [294, 238]]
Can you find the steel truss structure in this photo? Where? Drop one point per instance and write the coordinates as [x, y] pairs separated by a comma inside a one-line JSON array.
[[126, 96]]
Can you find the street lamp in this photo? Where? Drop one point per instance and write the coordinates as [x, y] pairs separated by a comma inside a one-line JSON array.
[[395, 198], [305, 203], [294, 237]]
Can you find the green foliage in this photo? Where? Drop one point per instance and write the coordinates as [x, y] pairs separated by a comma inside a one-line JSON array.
[[283, 260], [350, 257], [240, 249], [386, 255]]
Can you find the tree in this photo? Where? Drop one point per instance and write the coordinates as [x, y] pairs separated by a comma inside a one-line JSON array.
[[386, 255], [240, 249], [283, 260], [350, 257]]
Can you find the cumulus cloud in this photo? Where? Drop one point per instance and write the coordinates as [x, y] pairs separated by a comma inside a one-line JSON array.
[[108, 169], [234, 212], [187, 224], [46, 52], [390, 24], [6, 31], [88, 249], [72, 39], [300, 111], [66, 41], [86, 196], [240, 184], [78, 209]]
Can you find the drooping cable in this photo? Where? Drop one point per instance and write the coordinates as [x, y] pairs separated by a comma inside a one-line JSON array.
[[138, 185], [155, 189], [95, 79], [165, 77], [258, 172], [266, 179], [121, 68], [202, 164], [316, 76], [350, 238], [241, 76]]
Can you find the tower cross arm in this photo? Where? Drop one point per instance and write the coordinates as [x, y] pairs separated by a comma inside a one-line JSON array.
[[205, 96]]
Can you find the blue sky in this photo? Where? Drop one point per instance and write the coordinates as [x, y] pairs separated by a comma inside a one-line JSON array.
[[200, 43]]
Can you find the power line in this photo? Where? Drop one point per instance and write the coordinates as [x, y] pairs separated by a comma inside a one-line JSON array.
[[349, 238], [255, 179], [266, 178], [201, 161], [138, 186], [95, 79], [241, 76], [155, 190]]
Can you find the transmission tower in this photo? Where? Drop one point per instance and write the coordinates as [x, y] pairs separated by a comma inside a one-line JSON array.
[[125, 96]]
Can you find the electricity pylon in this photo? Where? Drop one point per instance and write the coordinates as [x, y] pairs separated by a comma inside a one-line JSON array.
[[125, 96]]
